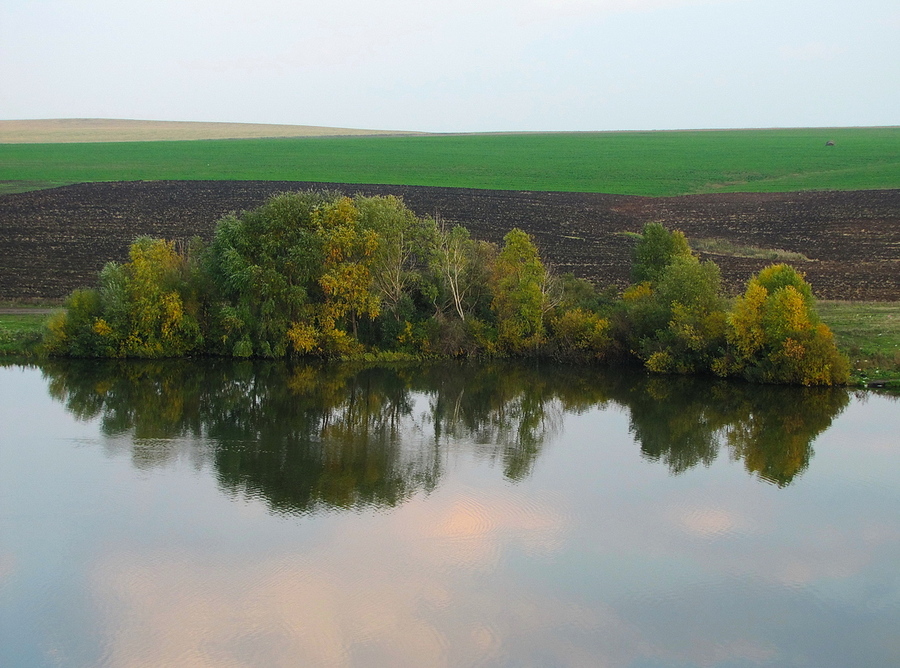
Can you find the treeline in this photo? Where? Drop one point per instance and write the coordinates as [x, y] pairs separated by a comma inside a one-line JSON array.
[[319, 274]]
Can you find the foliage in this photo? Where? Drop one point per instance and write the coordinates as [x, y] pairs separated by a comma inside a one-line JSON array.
[[678, 324], [406, 245], [346, 279], [519, 283], [656, 250], [266, 265], [575, 293], [460, 269], [580, 331], [313, 273], [775, 335], [139, 309]]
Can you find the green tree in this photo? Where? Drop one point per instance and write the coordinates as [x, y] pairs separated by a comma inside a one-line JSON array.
[[405, 245], [455, 267], [266, 265], [399, 269], [519, 283], [678, 325], [656, 250]]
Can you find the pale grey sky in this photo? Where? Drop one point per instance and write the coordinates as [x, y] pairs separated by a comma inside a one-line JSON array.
[[460, 65]]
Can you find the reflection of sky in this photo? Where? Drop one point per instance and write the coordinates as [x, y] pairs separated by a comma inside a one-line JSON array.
[[599, 557]]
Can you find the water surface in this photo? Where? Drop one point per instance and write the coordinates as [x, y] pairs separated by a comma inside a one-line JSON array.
[[266, 514]]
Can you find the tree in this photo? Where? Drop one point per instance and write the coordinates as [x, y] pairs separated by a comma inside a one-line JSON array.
[[656, 250], [518, 281], [679, 325], [266, 265], [405, 244], [460, 267], [775, 335], [399, 269], [346, 280]]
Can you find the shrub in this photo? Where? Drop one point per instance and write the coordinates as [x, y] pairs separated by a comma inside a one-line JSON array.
[[775, 336], [678, 324], [138, 310], [580, 331]]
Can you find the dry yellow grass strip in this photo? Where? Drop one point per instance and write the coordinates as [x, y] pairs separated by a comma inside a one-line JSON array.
[[73, 130]]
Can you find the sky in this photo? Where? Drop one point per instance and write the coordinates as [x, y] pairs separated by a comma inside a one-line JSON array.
[[456, 66]]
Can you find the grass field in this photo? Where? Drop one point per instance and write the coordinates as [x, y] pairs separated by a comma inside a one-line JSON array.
[[639, 163]]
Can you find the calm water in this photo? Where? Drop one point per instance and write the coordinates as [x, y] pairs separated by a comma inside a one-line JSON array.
[[251, 514]]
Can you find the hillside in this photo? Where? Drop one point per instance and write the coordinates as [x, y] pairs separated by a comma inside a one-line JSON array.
[[80, 130]]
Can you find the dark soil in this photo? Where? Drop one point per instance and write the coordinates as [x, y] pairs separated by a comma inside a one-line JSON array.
[[52, 241]]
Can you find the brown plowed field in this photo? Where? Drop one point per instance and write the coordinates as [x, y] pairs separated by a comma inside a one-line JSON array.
[[53, 241]]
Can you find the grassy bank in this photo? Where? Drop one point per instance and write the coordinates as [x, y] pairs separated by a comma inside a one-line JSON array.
[[638, 163], [20, 333], [867, 332]]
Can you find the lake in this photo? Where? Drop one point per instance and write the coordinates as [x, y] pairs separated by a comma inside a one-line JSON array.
[[220, 513]]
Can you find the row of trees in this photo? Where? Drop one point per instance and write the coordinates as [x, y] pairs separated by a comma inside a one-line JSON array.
[[313, 273]]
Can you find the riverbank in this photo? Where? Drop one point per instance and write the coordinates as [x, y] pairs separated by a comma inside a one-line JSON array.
[[21, 331], [867, 332]]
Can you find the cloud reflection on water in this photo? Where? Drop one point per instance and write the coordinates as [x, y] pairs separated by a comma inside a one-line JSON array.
[[404, 604]]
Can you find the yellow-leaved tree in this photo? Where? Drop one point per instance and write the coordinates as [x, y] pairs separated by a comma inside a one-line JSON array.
[[143, 308], [775, 336], [346, 278]]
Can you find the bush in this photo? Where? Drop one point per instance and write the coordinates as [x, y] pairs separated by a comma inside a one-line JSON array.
[[580, 331], [138, 310], [678, 324], [775, 336]]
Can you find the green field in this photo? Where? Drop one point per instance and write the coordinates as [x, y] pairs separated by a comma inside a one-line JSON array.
[[638, 163]]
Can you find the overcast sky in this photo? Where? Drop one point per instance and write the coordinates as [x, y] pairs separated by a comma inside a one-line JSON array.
[[460, 65]]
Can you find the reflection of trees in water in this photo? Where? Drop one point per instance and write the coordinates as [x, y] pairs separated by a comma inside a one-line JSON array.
[[294, 435], [302, 436], [506, 411], [684, 421]]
